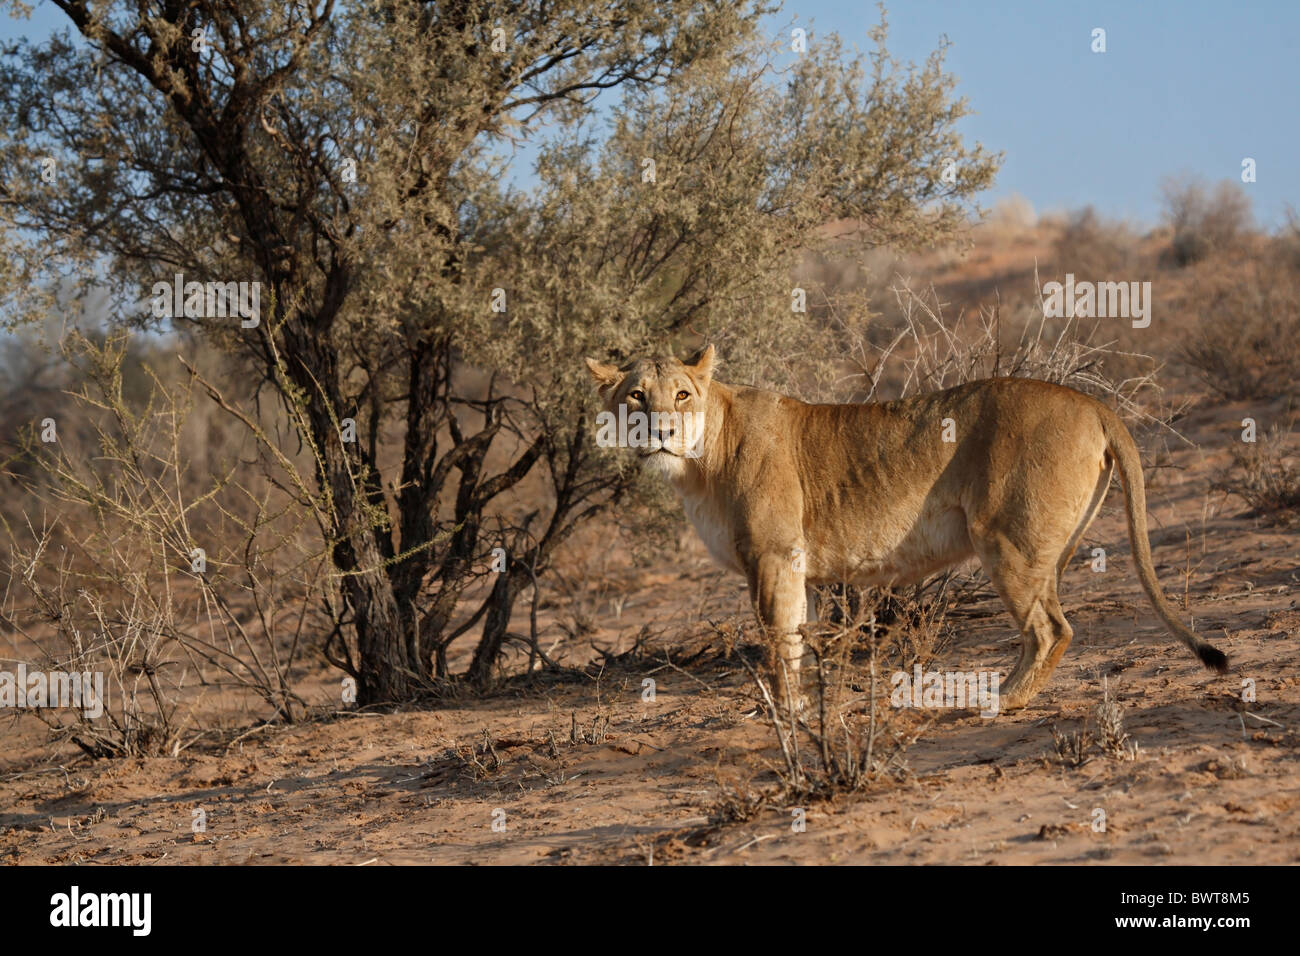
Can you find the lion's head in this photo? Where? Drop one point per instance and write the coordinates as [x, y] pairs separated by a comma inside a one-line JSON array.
[[657, 408]]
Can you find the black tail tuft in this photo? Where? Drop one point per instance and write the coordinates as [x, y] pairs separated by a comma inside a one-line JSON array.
[[1213, 658]]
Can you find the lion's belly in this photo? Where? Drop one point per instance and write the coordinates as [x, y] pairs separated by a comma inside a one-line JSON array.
[[897, 552], [876, 551]]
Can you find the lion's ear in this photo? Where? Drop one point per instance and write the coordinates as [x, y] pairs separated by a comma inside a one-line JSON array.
[[605, 375], [702, 364]]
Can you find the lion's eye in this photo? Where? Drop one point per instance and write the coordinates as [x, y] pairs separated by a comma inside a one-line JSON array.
[[683, 395], [636, 395]]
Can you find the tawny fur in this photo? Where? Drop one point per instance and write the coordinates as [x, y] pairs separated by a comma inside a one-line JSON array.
[[792, 494]]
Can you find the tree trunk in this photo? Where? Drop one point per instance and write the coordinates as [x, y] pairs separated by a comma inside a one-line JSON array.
[[362, 550], [494, 629], [386, 673]]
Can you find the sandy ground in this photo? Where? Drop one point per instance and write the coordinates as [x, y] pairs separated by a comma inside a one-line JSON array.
[[585, 770]]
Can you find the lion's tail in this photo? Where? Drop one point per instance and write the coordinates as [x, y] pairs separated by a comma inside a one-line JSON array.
[[1124, 451]]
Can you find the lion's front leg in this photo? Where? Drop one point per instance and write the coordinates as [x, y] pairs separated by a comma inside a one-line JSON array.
[[776, 586]]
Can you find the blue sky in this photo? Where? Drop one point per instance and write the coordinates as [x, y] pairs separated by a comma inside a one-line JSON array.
[[1183, 87]]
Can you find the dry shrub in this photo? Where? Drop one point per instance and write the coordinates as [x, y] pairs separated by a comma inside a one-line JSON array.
[[932, 352], [739, 801], [1078, 747], [1246, 339], [1092, 248], [1111, 736], [1073, 748], [1266, 476], [1288, 238], [1012, 214], [925, 350], [848, 736], [109, 579], [1205, 220]]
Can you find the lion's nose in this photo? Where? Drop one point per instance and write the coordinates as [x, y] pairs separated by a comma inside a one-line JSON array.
[[666, 432]]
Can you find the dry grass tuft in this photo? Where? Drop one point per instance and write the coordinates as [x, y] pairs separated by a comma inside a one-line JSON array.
[[1265, 475]]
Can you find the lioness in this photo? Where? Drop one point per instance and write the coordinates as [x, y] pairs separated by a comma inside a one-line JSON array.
[[790, 494]]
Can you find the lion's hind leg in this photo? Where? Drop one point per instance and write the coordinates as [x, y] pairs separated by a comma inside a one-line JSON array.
[[1085, 521], [1028, 589]]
